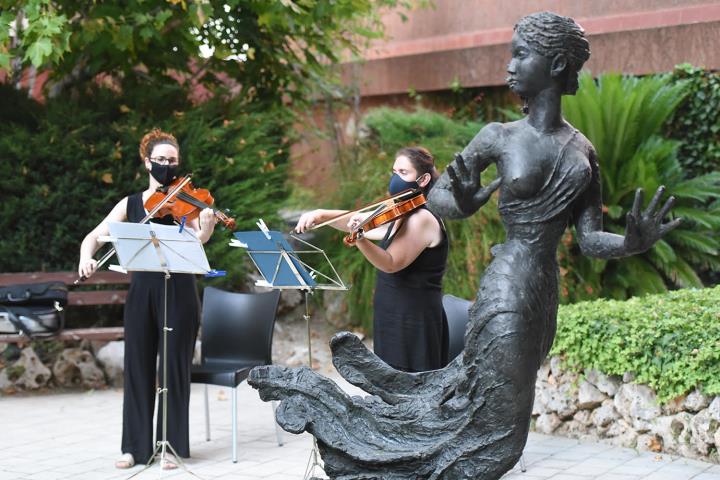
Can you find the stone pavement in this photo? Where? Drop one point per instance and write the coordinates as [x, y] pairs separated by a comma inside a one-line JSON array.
[[77, 436]]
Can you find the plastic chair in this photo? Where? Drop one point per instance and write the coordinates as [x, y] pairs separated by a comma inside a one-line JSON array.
[[456, 311], [237, 332]]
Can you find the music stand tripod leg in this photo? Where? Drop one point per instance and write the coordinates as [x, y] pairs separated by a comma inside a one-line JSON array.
[[314, 453], [281, 268]]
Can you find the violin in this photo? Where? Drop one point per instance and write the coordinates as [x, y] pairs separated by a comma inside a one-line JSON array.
[[186, 202], [385, 214], [381, 203]]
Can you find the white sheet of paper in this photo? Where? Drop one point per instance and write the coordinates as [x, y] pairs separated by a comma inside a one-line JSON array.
[[182, 251]]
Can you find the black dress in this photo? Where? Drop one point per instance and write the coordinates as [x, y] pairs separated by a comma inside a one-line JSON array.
[[409, 324], [143, 318]]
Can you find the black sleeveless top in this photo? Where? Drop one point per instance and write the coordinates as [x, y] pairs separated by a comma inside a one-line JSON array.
[[426, 271], [409, 325]]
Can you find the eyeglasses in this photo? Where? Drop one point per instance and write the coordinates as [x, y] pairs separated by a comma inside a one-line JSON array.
[[165, 160]]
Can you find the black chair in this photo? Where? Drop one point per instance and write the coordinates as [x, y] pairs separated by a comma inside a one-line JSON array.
[[456, 311], [237, 332]]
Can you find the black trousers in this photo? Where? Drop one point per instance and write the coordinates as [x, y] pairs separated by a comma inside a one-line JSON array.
[[144, 315]]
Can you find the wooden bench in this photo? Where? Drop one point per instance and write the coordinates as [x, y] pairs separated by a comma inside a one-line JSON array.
[[77, 297]]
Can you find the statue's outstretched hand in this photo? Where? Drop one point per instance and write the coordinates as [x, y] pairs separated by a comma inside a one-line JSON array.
[[466, 188], [645, 228]]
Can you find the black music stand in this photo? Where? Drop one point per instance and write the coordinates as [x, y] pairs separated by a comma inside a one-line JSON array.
[[283, 268], [151, 247]]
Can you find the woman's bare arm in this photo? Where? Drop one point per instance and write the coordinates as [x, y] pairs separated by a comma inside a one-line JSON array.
[[90, 243], [420, 231]]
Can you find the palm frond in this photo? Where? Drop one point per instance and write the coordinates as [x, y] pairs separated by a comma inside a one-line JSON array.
[[664, 253], [695, 240], [707, 219], [703, 188], [684, 276], [637, 275]]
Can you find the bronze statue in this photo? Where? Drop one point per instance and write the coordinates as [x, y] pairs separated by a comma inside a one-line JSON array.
[[470, 420]]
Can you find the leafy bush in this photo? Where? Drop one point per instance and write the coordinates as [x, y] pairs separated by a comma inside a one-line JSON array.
[[64, 165], [696, 123], [366, 179], [670, 341], [623, 117]]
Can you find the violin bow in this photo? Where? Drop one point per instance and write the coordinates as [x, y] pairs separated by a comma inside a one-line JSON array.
[[381, 202], [171, 194]]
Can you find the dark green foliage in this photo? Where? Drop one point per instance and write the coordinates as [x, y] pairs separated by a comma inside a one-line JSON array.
[[623, 117], [61, 171], [463, 104], [63, 168], [670, 341], [362, 181], [240, 153], [696, 123], [273, 48]]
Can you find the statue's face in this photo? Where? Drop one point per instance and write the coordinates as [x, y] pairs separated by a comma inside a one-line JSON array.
[[528, 71]]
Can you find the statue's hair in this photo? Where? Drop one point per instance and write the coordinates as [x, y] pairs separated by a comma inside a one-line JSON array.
[[156, 137], [550, 34]]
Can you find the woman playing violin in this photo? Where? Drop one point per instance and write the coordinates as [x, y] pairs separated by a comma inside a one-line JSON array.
[[409, 326], [143, 316]]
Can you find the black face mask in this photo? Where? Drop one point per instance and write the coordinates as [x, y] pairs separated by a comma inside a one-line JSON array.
[[397, 184], [164, 174]]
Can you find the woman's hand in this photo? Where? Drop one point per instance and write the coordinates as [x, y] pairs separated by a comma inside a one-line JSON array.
[[87, 267], [309, 219], [466, 187], [207, 219], [643, 229], [353, 225], [356, 220]]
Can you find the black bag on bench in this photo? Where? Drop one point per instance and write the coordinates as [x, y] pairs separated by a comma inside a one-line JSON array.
[[33, 309]]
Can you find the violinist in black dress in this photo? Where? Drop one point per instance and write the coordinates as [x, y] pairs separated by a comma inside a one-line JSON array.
[[143, 317], [409, 325]]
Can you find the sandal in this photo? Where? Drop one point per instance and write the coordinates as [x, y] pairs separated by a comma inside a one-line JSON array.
[[170, 462], [126, 460]]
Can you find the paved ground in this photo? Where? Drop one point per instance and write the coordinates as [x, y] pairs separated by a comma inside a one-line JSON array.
[[77, 436]]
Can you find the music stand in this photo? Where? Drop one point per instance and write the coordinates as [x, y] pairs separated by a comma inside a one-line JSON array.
[[151, 247], [282, 268]]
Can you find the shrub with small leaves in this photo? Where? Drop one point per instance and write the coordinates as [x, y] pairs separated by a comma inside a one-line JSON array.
[[696, 123], [670, 341]]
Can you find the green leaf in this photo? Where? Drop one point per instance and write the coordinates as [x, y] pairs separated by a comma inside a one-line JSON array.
[[4, 61], [615, 211], [39, 51], [124, 38]]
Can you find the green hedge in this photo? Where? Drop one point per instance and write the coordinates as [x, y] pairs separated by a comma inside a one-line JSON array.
[[670, 341]]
